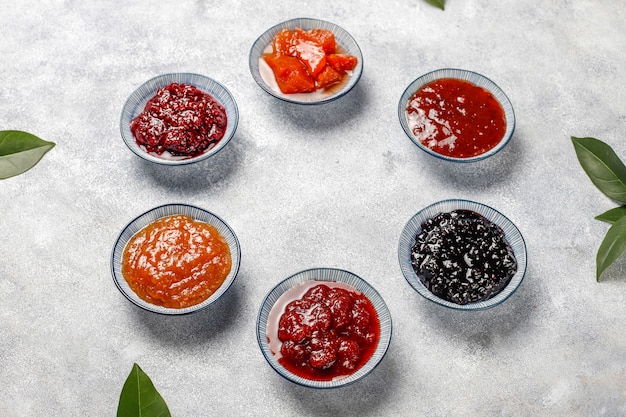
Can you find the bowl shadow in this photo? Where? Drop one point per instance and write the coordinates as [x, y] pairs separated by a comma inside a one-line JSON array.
[[360, 398], [194, 177], [195, 328], [482, 329], [480, 175], [327, 116]]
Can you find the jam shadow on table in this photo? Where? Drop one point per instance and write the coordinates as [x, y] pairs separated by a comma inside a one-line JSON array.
[[201, 176], [482, 329], [213, 322], [324, 117]]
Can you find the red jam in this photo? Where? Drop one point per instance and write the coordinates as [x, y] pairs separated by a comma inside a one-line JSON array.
[[181, 120], [327, 333], [304, 61], [456, 118], [176, 261]]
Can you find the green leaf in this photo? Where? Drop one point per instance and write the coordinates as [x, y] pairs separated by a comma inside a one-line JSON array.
[[20, 151], [603, 167], [612, 215], [612, 247], [437, 3], [139, 398]]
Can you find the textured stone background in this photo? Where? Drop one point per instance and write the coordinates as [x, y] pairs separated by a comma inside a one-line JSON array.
[[305, 187]]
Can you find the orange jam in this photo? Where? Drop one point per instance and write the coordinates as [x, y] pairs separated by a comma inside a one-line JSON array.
[[306, 60], [176, 262]]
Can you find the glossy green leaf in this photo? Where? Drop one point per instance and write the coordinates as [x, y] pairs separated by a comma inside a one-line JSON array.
[[139, 398], [612, 215], [437, 3], [603, 166], [612, 247], [20, 151]]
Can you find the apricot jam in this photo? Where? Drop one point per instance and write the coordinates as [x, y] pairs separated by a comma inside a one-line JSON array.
[[304, 61], [176, 262]]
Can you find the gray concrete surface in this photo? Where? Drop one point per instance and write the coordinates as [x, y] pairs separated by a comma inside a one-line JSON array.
[[306, 187]]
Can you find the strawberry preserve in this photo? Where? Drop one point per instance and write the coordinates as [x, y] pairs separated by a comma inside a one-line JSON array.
[[456, 118], [180, 120], [327, 333]]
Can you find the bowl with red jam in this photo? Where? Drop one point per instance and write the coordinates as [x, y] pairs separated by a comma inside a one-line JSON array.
[[306, 61], [456, 115], [175, 259], [178, 119], [324, 328], [462, 254]]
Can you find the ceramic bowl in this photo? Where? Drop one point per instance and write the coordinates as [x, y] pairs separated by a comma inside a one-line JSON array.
[[511, 233], [151, 216], [329, 276], [474, 78], [138, 99], [264, 77]]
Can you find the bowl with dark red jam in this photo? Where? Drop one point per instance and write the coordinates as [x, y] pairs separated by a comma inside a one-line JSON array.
[[175, 259], [462, 254], [324, 328], [178, 119], [456, 115], [306, 61]]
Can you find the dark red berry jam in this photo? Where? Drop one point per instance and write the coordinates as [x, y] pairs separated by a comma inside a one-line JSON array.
[[180, 120], [328, 333], [456, 118], [462, 257]]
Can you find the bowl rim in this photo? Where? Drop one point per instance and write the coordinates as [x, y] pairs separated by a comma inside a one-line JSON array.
[[305, 23], [324, 274], [476, 79], [136, 101], [147, 218], [512, 234]]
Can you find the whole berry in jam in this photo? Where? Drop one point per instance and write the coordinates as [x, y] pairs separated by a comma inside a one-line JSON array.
[[327, 333]]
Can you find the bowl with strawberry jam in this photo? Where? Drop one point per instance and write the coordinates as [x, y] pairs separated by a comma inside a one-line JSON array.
[[175, 259], [178, 119], [456, 115], [324, 328], [306, 61]]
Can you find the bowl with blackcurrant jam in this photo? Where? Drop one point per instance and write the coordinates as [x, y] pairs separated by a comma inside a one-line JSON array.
[[462, 254], [456, 115], [179, 119], [324, 328]]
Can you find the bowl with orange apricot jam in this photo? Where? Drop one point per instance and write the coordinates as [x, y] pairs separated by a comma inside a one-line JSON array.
[[324, 328], [175, 259], [306, 61], [456, 115]]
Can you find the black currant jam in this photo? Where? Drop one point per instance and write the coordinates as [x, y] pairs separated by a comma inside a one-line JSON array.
[[462, 257]]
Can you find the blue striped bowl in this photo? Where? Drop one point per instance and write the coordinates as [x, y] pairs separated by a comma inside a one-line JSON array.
[[465, 75], [153, 215], [325, 275], [344, 40], [138, 99], [511, 234]]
